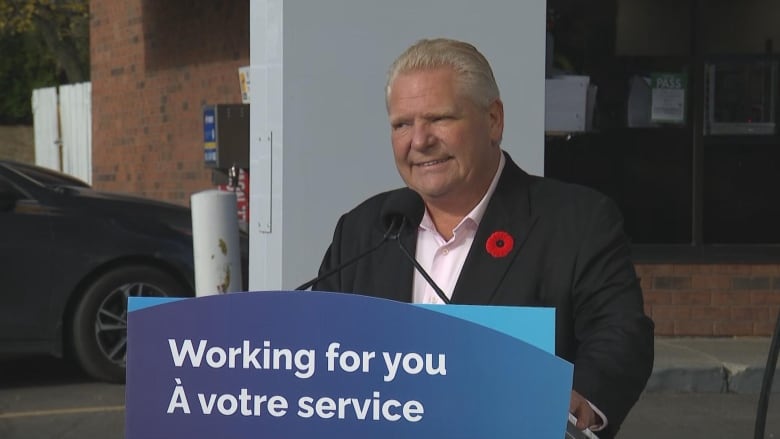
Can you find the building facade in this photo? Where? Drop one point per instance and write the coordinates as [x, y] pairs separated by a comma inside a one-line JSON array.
[[685, 140], [697, 204]]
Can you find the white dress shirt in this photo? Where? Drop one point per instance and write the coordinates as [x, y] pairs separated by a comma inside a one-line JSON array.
[[444, 259]]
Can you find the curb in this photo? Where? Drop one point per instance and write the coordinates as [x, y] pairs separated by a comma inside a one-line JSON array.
[[710, 365]]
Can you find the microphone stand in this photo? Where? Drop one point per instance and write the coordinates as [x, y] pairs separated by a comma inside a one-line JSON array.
[[392, 233], [419, 268], [417, 265], [766, 385], [354, 259]]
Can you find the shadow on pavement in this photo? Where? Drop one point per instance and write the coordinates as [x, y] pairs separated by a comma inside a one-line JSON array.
[[36, 370]]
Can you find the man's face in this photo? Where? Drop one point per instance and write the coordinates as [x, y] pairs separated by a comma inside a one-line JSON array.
[[445, 146]]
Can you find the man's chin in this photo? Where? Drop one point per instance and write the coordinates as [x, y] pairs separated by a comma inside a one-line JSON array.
[[433, 195]]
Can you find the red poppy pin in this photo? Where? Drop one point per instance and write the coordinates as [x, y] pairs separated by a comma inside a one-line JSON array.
[[499, 244]]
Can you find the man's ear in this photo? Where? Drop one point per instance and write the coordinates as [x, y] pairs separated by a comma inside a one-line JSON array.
[[496, 121]]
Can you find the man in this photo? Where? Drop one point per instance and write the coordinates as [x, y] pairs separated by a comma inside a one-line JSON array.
[[493, 235]]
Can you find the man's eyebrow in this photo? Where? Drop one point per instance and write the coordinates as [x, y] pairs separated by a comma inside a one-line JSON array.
[[450, 111], [399, 118]]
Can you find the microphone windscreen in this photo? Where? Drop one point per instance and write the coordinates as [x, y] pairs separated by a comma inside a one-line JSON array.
[[404, 203]]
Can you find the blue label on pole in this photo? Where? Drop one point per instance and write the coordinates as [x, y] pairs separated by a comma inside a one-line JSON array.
[[209, 125], [306, 364], [209, 135]]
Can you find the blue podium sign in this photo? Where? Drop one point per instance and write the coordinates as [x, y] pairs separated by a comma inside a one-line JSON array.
[[307, 364]]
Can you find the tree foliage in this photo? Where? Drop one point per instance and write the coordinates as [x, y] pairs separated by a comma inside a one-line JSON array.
[[63, 25], [43, 43], [24, 66]]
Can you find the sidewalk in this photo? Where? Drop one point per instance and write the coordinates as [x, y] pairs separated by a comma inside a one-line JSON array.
[[710, 365]]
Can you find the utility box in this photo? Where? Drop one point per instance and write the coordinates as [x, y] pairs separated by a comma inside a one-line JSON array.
[[226, 136]]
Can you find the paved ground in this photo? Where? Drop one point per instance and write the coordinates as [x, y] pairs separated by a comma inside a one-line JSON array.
[[710, 365], [705, 388], [698, 416], [65, 411], [43, 397]]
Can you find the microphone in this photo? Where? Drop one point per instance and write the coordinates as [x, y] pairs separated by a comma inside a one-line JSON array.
[[402, 206], [393, 214]]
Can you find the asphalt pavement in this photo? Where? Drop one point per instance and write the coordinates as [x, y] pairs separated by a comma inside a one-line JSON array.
[[705, 388]]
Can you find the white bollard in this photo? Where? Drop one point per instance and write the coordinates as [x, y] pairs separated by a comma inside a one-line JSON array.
[[215, 243]]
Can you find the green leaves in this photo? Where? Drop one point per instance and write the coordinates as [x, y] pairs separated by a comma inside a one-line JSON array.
[[43, 43], [24, 66]]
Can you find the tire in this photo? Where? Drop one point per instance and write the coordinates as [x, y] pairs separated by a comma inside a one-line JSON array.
[[99, 324]]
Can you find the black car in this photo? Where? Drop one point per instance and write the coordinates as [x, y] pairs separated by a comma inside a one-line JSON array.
[[71, 256]]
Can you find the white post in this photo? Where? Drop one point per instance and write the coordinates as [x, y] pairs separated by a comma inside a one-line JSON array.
[[215, 243]]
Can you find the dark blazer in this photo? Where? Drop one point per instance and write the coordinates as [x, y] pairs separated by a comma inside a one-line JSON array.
[[569, 252]]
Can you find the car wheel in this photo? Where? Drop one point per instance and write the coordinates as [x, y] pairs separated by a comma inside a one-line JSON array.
[[99, 326]]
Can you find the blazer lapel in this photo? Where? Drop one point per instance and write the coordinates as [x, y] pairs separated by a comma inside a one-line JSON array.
[[508, 211]]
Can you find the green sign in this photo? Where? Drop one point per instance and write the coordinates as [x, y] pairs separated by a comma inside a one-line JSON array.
[[668, 97]]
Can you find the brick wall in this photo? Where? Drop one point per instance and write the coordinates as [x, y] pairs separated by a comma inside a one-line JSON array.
[[17, 143], [154, 64], [712, 299]]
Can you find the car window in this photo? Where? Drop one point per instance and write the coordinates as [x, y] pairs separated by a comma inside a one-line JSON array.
[[9, 194]]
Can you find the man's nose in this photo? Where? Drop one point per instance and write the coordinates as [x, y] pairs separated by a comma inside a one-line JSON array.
[[421, 135]]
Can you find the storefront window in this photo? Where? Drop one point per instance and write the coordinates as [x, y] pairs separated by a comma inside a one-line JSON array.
[[740, 97], [684, 127]]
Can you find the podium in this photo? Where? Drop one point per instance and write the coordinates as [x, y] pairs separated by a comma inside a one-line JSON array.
[[310, 364]]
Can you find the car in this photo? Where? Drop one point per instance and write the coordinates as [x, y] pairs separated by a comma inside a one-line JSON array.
[[70, 256]]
